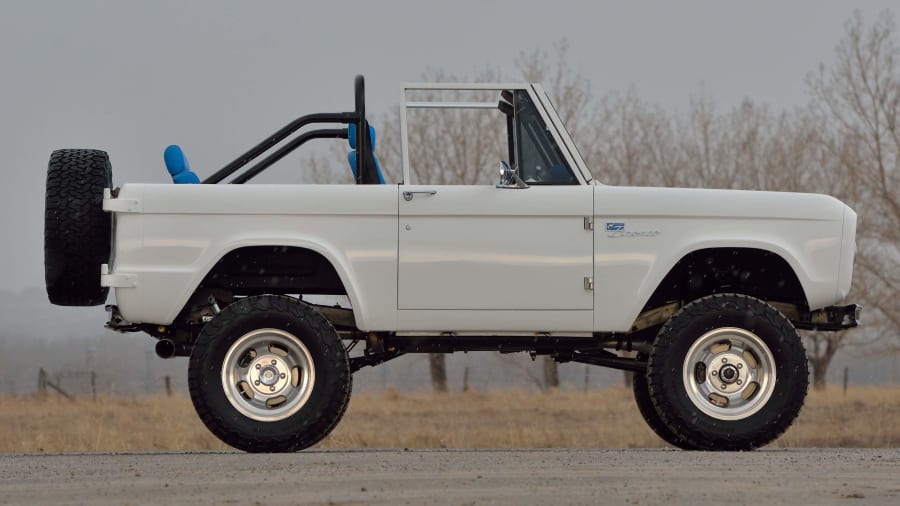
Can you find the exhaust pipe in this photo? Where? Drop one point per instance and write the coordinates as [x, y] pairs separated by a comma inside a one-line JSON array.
[[167, 348]]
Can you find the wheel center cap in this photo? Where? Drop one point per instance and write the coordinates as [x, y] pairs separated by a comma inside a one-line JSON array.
[[268, 376], [728, 373]]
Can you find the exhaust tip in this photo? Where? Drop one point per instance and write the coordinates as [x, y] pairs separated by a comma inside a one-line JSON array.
[[165, 348]]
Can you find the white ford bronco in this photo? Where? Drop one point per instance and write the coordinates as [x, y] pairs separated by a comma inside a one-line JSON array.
[[705, 288]]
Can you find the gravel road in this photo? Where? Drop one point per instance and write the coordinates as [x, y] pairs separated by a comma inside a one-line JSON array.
[[647, 477]]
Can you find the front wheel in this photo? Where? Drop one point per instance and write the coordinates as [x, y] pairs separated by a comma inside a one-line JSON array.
[[727, 372], [269, 374], [641, 389]]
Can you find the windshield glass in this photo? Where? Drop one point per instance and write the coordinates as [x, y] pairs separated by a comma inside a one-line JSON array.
[[539, 159], [561, 120]]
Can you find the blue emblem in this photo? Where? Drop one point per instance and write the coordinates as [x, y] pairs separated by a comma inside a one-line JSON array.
[[615, 227]]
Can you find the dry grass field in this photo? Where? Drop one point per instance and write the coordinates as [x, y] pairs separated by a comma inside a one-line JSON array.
[[865, 417]]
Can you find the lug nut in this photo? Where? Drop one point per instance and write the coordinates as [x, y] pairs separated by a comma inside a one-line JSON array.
[[256, 382], [739, 382], [271, 389], [274, 361], [724, 360], [715, 373], [282, 376], [724, 386], [258, 366], [740, 365]]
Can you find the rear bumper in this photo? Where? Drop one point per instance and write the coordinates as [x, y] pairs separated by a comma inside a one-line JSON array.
[[830, 318], [116, 280]]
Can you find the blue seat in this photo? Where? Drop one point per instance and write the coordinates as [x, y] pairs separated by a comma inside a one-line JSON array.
[[178, 167], [351, 157]]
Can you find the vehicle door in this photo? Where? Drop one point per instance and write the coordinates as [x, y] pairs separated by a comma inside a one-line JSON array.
[[523, 245]]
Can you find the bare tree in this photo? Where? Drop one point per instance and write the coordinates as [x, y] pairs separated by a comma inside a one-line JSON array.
[[551, 373], [633, 143], [857, 99], [570, 89], [747, 147], [438, 368], [573, 100], [447, 147], [821, 348], [846, 144]]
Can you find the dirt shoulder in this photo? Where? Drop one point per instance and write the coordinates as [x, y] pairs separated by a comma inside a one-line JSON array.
[[863, 418], [670, 477]]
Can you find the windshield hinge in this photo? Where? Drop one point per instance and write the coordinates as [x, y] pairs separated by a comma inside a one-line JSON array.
[[588, 223], [589, 283]]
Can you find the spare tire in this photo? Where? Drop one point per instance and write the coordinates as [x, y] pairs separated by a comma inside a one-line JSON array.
[[77, 232]]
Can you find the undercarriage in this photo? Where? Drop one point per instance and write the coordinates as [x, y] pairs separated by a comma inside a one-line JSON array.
[[597, 348]]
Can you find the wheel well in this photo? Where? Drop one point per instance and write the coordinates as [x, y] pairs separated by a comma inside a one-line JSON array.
[[749, 271], [253, 270], [256, 270]]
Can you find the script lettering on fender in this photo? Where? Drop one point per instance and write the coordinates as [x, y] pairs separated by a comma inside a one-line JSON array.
[[617, 229]]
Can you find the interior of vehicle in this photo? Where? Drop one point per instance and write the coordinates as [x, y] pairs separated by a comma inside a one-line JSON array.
[[532, 151]]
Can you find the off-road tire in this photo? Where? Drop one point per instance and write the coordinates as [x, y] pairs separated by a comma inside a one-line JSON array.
[[330, 391], [77, 232], [641, 389], [669, 394]]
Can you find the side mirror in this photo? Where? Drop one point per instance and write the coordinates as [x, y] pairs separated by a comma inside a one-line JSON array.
[[509, 177]]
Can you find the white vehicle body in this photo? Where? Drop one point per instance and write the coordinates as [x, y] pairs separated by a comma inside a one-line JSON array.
[[706, 288], [482, 259]]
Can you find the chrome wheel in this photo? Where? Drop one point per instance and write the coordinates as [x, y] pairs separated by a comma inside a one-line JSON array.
[[729, 373], [268, 375]]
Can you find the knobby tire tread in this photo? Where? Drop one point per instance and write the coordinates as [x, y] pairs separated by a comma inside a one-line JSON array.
[[317, 423], [77, 231], [663, 376]]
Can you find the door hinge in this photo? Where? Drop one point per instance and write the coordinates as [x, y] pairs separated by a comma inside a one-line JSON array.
[[588, 223], [589, 283]]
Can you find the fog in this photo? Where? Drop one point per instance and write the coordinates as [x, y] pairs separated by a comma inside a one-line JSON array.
[[133, 77], [215, 77]]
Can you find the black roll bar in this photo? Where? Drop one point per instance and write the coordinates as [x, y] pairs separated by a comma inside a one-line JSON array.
[[262, 147], [362, 129], [358, 117], [324, 133]]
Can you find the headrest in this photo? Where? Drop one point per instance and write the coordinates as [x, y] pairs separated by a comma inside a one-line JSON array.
[[176, 161], [351, 136], [178, 167]]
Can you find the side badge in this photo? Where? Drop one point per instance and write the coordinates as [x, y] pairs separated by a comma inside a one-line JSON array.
[[615, 227]]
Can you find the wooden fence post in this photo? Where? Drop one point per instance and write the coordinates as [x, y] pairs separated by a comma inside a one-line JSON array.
[[42, 381]]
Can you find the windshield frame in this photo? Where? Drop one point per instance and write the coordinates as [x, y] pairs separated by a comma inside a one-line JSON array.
[[535, 92], [567, 143]]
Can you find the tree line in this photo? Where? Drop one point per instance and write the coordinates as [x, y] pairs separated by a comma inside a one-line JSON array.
[[844, 142]]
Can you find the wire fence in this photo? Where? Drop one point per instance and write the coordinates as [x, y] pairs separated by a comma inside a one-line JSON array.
[[72, 384]]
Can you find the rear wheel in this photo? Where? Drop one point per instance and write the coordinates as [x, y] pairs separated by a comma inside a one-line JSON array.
[[727, 372], [77, 232], [269, 374]]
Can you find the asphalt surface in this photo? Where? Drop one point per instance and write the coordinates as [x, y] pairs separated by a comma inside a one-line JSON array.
[[670, 477]]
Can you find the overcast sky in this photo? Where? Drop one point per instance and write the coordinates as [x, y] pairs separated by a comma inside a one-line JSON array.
[[216, 77]]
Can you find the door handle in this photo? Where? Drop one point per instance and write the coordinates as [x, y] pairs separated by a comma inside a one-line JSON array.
[[408, 195]]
